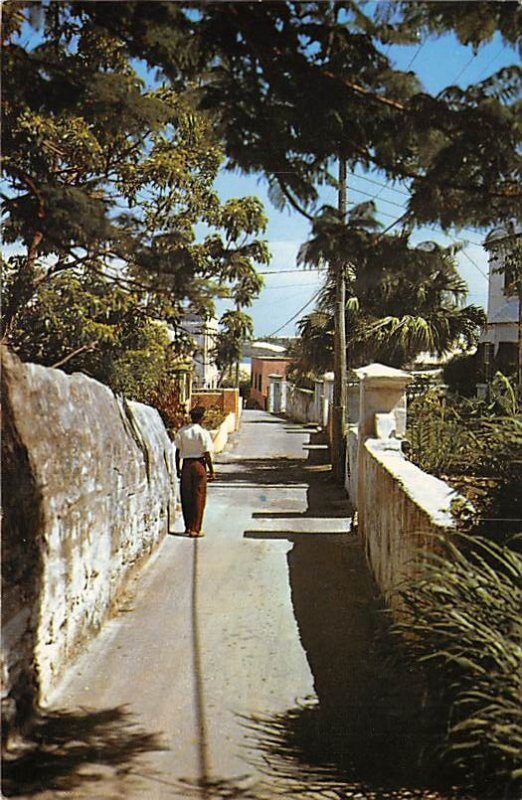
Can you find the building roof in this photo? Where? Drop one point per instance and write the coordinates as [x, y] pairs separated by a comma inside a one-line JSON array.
[[498, 234], [382, 371], [273, 348]]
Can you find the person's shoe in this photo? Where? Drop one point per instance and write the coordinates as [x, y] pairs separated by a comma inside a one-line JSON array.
[[188, 532], [197, 534]]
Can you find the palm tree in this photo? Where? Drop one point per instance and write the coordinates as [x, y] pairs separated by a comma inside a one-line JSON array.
[[401, 300], [236, 327]]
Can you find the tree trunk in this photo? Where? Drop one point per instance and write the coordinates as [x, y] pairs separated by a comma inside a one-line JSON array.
[[339, 399]]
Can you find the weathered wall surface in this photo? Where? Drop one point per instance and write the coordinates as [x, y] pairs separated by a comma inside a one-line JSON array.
[[301, 405], [88, 491], [226, 400], [261, 370], [220, 435], [400, 510]]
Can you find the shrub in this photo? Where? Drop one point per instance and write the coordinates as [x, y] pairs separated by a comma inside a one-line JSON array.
[[464, 436], [462, 374], [213, 418], [476, 446], [164, 397], [463, 626]]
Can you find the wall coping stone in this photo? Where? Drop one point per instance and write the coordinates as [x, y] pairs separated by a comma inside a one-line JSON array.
[[381, 372], [430, 494]]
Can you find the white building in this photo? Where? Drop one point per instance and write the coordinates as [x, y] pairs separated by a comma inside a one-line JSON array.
[[498, 341], [203, 332]]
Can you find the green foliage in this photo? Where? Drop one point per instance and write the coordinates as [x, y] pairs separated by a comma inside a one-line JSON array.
[[84, 323], [258, 67], [477, 446], [385, 278], [467, 436], [104, 173], [462, 374], [235, 327], [462, 623], [473, 23], [213, 418]]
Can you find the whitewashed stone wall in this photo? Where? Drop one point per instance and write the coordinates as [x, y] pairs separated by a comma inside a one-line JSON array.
[[220, 435], [401, 510], [300, 405], [88, 494]]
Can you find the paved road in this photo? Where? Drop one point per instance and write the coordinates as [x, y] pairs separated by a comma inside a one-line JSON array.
[[207, 681]]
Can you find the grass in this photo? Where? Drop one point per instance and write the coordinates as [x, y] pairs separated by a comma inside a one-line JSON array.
[[463, 626]]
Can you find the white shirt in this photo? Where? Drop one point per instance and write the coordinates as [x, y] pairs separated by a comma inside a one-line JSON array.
[[192, 441]]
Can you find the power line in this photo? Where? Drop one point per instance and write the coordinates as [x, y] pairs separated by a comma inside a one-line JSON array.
[[484, 70], [467, 241], [297, 269], [285, 299], [314, 297], [374, 197], [464, 68], [416, 53], [383, 185], [291, 285], [475, 264], [381, 213]]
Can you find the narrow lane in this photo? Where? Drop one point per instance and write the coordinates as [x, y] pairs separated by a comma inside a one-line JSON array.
[[238, 666]]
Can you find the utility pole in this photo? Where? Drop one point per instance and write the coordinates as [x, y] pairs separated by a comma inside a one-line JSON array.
[[236, 368], [515, 256], [339, 398]]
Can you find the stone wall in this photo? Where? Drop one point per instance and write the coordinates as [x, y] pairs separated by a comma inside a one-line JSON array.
[[89, 489], [401, 510], [301, 405], [220, 435], [226, 400]]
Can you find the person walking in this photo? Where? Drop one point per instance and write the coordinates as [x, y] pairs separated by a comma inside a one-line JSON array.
[[193, 460]]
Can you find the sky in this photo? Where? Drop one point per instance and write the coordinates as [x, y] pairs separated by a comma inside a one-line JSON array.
[[289, 291]]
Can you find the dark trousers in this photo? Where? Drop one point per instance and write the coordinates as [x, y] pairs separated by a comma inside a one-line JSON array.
[[193, 493]]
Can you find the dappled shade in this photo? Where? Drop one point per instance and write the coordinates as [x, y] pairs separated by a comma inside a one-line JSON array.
[[68, 749]]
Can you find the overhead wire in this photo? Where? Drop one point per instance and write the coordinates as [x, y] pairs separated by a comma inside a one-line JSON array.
[[484, 70], [296, 269], [383, 185], [405, 194], [294, 316], [472, 261], [291, 285], [373, 197], [464, 68], [416, 53]]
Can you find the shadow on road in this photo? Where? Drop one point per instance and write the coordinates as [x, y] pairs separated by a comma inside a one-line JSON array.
[[363, 736], [262, 471], [69, 749]]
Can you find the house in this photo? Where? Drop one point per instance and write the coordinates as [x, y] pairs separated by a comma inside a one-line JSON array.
[[204, 333], [498, 342], [259, 349], [262, 368]]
